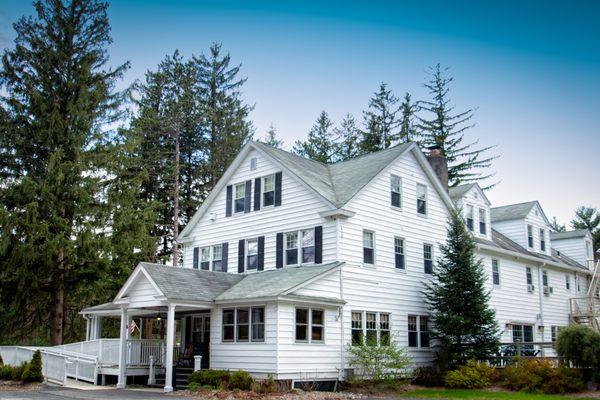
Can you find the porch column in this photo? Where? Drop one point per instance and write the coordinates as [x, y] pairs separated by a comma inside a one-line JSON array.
[[169, 343], [123, 350], [88, 329]]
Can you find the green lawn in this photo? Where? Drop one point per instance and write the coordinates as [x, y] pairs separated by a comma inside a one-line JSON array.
[[481, 394]]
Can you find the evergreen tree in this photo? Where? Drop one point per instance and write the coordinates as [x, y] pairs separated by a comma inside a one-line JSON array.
[[381, 122], [588, 218], [320, 145], [408, 130], [271, 138], [465, 325], [557, 226], [445, 128], [53, 218], [347, 138]]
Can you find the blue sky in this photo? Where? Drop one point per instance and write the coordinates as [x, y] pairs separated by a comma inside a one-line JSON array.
[[532, 70]]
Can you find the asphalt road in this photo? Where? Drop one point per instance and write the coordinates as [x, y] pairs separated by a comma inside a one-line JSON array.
[[60, 393]]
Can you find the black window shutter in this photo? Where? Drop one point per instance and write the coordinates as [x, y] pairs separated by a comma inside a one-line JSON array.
[[225, 252], [241, 250], [277, 189], [247, 199], [229, 200], [261, 253], [279, 252], [196, 255], [318, 244], [256, 194]]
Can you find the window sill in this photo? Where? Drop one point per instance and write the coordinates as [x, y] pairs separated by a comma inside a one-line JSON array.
[[400, 270], [371, 266], [310, 343], [399, 209], [422, 215]]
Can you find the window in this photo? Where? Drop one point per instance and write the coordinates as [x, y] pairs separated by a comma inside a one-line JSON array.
[[253, 163], [368, 247], [470, 217], [291, 248], [205, 258], [418, 331], [495, 272], [240, 197], [399, 253], [542, 240], [251, 254], [310, 320], [428, 258], [529, 277], [567, 282], [554, 332], [269, 190], [308, 246], [396, 191], [237, 323], [482, 221], [522, 333], [373, 326], [530, 236], [217, 258], [545, 278], [421, 199]]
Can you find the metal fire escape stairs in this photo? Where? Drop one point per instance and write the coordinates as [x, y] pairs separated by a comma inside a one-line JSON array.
[[586, 310]]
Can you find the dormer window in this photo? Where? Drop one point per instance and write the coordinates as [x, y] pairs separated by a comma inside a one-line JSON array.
[[240, 197], [470, 217], [421, 199], [542, 240], [530, 236], [482, 221], [396, 191], [269, 190]]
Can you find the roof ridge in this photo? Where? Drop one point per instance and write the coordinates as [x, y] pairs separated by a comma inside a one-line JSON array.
[[516, 204], [378, 152]]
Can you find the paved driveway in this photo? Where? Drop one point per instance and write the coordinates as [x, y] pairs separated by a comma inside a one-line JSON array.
[[60, 393]]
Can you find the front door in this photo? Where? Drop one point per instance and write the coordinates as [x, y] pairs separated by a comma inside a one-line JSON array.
[[201, 337]]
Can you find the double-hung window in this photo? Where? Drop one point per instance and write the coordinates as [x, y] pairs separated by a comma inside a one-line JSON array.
[[421, 199], [567, 282], [418, 331], [530, 236], [545, 281], [495, 272], [542, 240], [523, 334], [396, 191], [399, 253], [310, 325], [291, 248], [240, 197], [217, 258], [268, 190], [244, 324], [482, 221], [368, 247], [470, 216], [370, 328], [205, 258], [529, 277], [299, 247], [308, 246], [427, 258], [251, 254]]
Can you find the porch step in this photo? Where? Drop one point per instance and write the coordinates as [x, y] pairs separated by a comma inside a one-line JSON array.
[[181, 376]]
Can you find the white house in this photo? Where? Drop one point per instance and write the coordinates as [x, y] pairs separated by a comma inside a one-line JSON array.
[[290, 261]]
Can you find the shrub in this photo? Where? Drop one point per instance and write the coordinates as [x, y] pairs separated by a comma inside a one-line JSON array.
[[240, 380], [580, 345], [17, 372], [265, 386], [6, 372], [213, 378], [33, 370], [474, 375], [542, 376], [430, 376], [194, 386], [1, 361], [379, 362]]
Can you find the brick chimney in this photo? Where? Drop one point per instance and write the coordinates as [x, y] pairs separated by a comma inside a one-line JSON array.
[[439, 164]]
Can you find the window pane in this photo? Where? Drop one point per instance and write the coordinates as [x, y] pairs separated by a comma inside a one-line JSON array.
[[528, 333], [252, 262], [308, 254], [368, 239], [301, 316], [302, 332], [399, 245], [258, 332], [317, 333], [218, 265], [308, 237], [217, 252], [291, 240], [258, 315], [368, 257], [252, 246], [205, 254], [356, 337], [317, 317], [291, 257], [269, 183], [396, 184], [268, 198], [242, 333], [228, 316], [228, 333], [242, 315], [412, 339]]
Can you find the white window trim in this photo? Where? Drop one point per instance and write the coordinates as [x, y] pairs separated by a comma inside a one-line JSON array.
[[419, 344], [309, 339], [392, 177], [499, 284], [211, 256], [247, 254], [363, 316], [262, 191], [299, 244], [568, 285], [482, 220], [362, 247], [243, 185], [426, 200], [235, 324], [403, 253], [432, 257], [470, 215], [532, 236]]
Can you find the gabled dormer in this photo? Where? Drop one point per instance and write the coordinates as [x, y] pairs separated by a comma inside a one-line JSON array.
[[475, 206], [577, 244], [524, 223]]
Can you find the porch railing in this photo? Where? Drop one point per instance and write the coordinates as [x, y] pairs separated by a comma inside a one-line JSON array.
[[107, 351], [54, 367], [139, 352], [584, 306]]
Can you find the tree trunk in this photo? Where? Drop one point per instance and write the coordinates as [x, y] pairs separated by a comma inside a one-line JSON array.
[[176, 204], [57, 316]]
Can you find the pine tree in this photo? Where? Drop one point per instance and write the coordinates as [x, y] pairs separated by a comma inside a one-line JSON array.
[[320, 145], [271, 138], [588, 218], [59, 92], [408, 130], [444, 128], [347, 139], [465, 325], [381, 122], [557, 226]]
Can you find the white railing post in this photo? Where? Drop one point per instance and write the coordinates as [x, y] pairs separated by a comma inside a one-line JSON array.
[[197, 363], [151, 374]]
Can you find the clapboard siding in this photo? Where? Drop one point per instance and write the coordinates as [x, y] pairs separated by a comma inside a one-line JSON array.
[[575, 248], [475, 198], [299, 210], [515, 230], [142, 290], [535, 218]]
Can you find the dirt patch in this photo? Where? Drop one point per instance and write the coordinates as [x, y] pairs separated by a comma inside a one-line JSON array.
[[295, 394], [16, 386]]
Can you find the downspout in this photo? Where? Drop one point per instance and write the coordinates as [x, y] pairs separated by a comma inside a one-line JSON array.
[[342, 350], [541, 296]]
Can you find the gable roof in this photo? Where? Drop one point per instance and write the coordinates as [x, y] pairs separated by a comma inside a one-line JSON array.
[[577, 233], [515, 211], [458, 192]]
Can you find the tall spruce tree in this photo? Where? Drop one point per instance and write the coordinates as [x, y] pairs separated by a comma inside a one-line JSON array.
[[271, 138], [408, 129], [347, 139], [464, 324], [442, 127], [320, 144], [59, 94], [588, 218], [381, 122], [557, 226]]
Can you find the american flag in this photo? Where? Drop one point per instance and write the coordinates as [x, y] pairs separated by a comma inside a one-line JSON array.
[[133, 326]]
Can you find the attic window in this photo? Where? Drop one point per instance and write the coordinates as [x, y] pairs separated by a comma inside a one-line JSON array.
[[253, 163], [536, 213], [475, 195]]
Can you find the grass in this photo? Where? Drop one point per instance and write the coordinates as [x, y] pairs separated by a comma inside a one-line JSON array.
[[481, 394]]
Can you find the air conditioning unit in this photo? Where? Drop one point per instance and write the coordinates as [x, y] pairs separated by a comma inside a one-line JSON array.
[[530, 288], [548, 290]]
